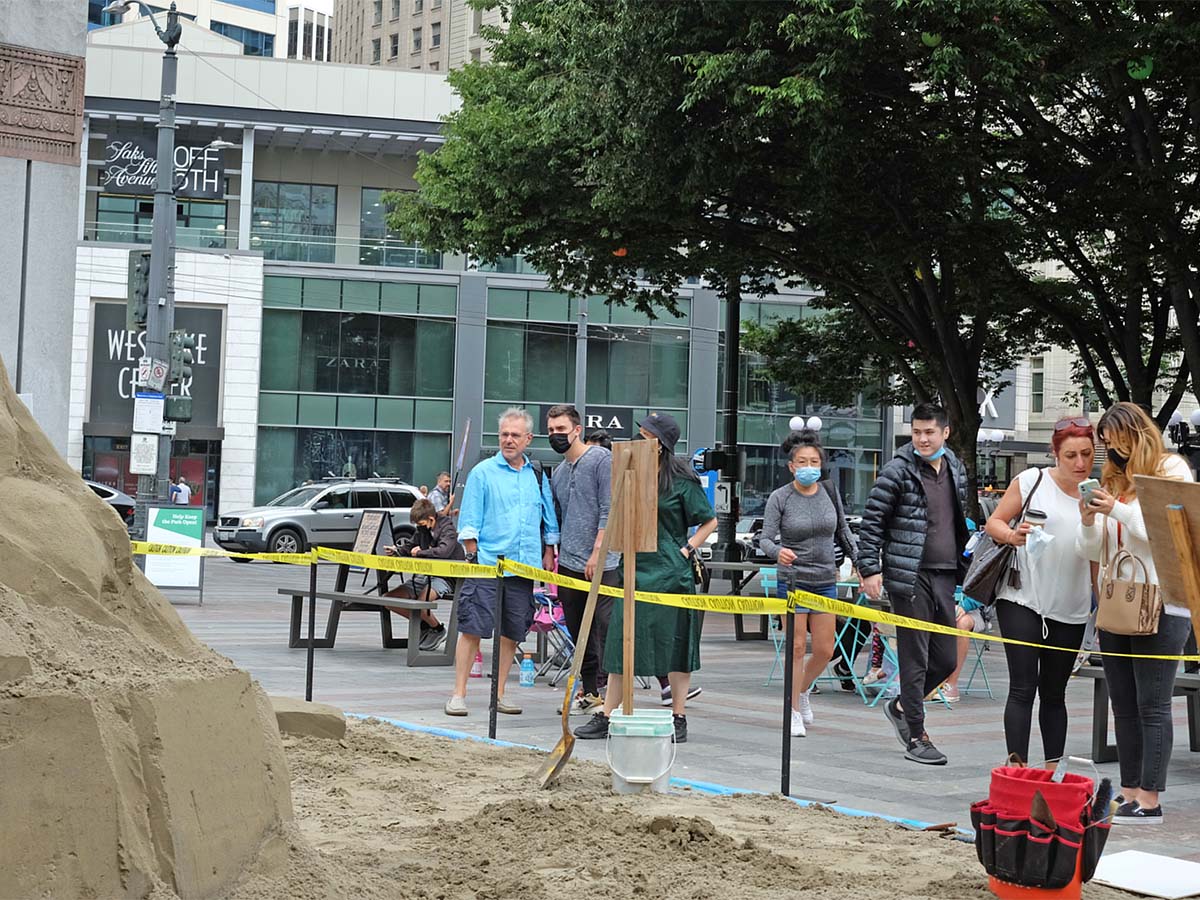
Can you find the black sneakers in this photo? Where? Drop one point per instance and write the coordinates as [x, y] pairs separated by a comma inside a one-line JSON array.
[[594, 728], [1132, 814], [921, 750], [842, 671], [431, 636], [891, 709], [680, 729]]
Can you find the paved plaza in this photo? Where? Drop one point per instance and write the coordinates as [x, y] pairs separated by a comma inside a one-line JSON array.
[[850, 755]]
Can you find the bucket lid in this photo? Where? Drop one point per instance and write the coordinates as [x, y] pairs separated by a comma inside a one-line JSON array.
[[642, 723]]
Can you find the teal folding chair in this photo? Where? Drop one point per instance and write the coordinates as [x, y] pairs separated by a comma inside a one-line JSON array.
[[769, 578]]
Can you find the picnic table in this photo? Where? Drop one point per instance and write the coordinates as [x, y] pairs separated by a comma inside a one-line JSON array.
[[1187, 684], [741, 574]]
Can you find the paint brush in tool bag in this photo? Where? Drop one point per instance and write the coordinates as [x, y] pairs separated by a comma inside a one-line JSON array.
[[1103, 805]]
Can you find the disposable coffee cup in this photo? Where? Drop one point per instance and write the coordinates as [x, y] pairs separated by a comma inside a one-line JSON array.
[[1035, 517]]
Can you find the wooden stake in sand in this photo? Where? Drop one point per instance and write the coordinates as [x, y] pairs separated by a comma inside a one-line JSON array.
[[634, 531]]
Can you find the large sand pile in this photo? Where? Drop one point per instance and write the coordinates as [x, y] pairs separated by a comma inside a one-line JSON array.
[[392, 815], [134, 759]]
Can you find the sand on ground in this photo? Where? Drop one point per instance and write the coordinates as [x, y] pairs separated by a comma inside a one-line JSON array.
[[389, 813]]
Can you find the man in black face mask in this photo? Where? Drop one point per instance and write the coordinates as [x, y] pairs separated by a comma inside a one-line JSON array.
[[582, 492]]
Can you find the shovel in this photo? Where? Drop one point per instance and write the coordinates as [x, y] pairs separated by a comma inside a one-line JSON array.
[[556, 761]]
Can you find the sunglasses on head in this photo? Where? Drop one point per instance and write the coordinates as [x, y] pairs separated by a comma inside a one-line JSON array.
[[1078, 421]]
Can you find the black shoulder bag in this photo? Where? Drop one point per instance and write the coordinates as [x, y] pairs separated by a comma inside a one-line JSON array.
[[991, 562]]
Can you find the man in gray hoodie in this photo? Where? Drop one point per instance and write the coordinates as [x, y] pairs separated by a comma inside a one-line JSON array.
[[582, 485]]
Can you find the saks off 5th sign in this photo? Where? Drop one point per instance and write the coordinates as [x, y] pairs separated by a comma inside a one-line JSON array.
[[115, 355], [130, 167]]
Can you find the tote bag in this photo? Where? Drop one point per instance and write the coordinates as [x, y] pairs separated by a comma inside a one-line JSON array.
[[1127, 606], [991, 562]]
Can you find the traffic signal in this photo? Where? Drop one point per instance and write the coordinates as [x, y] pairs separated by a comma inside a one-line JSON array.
[[178, 408], [138, 297]]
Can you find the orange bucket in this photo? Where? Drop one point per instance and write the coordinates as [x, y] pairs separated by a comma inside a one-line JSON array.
[[1073, 891]]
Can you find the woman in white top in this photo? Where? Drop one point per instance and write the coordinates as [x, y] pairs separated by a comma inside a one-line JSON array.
[[1054, 599], [1139, 689]]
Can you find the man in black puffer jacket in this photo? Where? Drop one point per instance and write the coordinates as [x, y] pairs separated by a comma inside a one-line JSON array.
[[915, 520]]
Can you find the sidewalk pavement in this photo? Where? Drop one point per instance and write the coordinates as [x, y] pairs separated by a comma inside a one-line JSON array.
[[850, 756]]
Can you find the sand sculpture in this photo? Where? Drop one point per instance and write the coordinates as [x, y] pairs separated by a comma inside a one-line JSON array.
[[135, 760]]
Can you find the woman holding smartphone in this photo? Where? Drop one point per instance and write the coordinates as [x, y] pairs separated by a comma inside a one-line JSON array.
[[1140, 689], [1054, 599]]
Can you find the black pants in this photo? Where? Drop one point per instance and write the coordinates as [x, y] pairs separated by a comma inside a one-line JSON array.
[[1037, 673], [573, 604], [926, 659], [1140, 691]]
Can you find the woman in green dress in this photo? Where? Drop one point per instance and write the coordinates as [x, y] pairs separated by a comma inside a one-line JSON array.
[[666, 638]]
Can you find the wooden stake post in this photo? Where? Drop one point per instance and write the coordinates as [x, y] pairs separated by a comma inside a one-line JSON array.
[[1171, 510], [635, 530]]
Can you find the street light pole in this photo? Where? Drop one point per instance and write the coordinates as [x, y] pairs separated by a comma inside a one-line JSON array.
[[160, 315]]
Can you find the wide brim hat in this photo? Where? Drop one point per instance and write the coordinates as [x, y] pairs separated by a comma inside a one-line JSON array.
[[664, 427]]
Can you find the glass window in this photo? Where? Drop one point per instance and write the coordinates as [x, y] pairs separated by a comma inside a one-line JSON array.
[[130, 220], [476, 23], [294, 221], [267, 6], [399, 499], [345, 353], [395, 9], [416, 39], [288, 457], [435, 34], [293, 32], [320, 48], [378, 19], [418, 7], [254, 43], [529, 362], [1038, 396], [367, 499], [375, 51], [393, 46], [638, 366], [380, 246]]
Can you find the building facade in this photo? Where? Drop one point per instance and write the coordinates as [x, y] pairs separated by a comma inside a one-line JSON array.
[[421, 35], [284, 29], [331, 346]]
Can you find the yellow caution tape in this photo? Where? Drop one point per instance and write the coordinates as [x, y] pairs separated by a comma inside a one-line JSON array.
[[870, 614], [725, 604], [149, 548], [443, 568]]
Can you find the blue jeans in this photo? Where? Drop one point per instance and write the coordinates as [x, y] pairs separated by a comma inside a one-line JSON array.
[[1140, 691], [827, 590]]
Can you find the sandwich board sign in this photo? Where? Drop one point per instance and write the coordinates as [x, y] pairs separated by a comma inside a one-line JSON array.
[[184, 527]]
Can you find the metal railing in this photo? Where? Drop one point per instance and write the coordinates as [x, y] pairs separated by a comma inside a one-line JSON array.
[[274, 246]]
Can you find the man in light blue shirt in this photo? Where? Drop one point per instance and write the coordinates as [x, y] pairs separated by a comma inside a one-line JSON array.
[[507, 510]]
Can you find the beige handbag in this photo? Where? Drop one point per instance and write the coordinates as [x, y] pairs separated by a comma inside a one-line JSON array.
[[1127, 606]]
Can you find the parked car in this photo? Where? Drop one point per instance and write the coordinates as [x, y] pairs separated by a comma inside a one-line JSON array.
[[118, 500], [325, 514], [748, 530]]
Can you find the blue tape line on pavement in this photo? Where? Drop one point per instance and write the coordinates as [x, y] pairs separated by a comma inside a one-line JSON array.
[[706, 787]]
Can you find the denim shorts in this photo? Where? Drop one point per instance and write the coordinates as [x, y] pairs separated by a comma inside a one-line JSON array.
[[477, 607], [829, 590]]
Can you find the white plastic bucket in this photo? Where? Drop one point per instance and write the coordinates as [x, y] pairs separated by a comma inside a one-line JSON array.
[[641, 750]]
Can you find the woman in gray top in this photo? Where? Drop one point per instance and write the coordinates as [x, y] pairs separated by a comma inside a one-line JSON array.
[[802, 521]]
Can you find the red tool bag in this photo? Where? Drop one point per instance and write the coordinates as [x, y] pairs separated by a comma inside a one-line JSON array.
[[1015, 847]]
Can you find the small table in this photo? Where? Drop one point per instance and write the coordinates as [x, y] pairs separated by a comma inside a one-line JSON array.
[[741, 574]]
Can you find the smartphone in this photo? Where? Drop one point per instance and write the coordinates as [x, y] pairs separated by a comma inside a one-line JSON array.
[[1086, 488]]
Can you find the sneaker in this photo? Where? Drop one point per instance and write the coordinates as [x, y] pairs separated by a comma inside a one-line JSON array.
[[693, 692], [509, 709], [873, 676], [1132, 814], [432, 637], [805, 708], [842, 671], [891, 709], [456, 706], [586, 704], [594, 729], [680, 729], [951, 695], [798, 729], [921, 750]]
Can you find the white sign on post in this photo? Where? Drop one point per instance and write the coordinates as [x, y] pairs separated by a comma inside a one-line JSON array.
[[723, 498], [148, 412], [143, 454], [156, 378]]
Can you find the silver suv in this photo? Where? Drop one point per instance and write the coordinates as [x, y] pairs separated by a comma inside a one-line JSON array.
[[325, 514]]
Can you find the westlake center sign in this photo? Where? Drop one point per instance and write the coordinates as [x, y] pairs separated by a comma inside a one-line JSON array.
[[131, 167]]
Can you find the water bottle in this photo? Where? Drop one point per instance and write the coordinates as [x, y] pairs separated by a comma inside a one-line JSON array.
[[528, 672], [477, 666]]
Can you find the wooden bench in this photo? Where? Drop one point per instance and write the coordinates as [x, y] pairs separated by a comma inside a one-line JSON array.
[[1187, 684], [341, 601]]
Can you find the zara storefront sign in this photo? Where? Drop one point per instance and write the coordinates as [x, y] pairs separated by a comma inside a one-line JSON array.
[[130, 167]]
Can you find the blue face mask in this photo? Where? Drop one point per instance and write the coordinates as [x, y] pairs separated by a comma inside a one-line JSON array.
[[808, 475], [941, 451]]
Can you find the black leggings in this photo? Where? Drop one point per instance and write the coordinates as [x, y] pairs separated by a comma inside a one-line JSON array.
[[1041, 673]]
